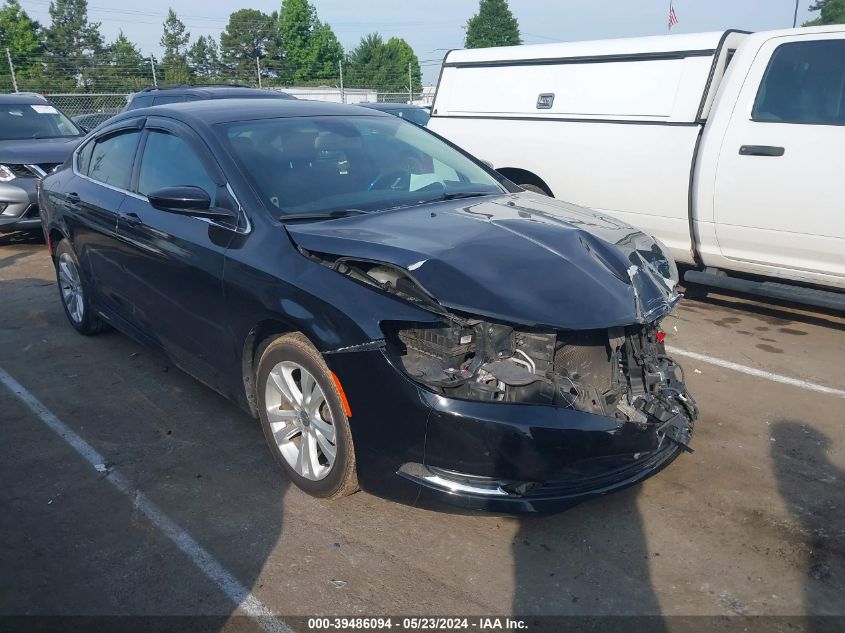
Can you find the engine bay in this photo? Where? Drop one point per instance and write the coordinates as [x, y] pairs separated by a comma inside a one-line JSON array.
[[623, 373]]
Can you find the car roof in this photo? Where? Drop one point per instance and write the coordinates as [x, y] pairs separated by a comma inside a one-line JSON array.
[[391, 106], [215, 92], [22, 98], [217, 111]]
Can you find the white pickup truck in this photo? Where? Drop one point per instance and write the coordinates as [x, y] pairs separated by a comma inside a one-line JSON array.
[[729, 147]]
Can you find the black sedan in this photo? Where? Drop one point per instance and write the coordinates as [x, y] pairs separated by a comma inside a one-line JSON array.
[[412, 113], [397, 315]]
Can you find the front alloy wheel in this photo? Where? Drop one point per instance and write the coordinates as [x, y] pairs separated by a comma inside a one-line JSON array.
[[301, 420], [304, 418]]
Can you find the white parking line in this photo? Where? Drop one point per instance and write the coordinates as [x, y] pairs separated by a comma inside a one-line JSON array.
[[193, 550], [759, 373]]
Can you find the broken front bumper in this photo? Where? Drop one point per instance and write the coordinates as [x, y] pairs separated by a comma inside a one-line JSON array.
[[421, 448]]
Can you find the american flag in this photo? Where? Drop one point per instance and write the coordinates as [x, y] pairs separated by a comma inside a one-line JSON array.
[[673, 19]]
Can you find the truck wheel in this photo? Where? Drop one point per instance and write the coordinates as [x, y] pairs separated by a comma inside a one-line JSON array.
[[304, 418]]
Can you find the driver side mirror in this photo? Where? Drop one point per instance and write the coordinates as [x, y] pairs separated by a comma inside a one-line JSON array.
[[188, 200]]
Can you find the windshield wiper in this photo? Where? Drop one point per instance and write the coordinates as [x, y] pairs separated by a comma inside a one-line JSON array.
[[340, 213], [457, 195]]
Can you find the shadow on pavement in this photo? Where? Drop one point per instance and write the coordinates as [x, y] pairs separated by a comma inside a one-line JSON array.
[[591, 560], [78, 547], [771, 311], [812, 488]]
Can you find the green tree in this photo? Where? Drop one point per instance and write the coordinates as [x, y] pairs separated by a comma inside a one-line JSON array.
[[326, 52], [122, 67], [830, 12], [174, 41], [310, 50], [382, 65], [205, 57], [20, 35], [493, 25], [249, 35], [73, 45], [400, 53]]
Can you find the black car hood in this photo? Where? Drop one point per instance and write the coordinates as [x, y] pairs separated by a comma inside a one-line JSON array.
[[518, 258], [37, 151]]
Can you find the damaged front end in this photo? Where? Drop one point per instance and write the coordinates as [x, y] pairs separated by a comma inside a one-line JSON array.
[[545, 380], [621, 373]]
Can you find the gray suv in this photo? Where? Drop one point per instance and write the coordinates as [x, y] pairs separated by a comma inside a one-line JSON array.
[[35, 137]]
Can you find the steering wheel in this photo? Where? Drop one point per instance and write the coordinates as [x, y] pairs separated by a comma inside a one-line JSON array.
[[385, 178]]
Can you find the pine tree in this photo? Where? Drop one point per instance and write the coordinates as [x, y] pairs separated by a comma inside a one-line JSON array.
[[121, 67], [72, 45], [493, 25], [174, 41], [204, 57], [248, 36]]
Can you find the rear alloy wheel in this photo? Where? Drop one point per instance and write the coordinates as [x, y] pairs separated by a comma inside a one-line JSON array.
[[304, 419], [74, 292]]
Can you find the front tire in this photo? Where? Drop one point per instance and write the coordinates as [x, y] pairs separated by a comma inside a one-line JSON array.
[[304, 419], [75, 292]]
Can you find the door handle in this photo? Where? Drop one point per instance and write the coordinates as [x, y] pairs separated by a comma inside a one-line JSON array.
[[761, 150], [132, 219], [72, 197]]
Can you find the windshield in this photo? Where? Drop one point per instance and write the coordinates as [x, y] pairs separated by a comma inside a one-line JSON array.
[[324, 164], [34, 120], [414, 115]]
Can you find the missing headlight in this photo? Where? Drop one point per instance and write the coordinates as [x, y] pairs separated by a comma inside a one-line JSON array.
[[621, 373], [384, 277]]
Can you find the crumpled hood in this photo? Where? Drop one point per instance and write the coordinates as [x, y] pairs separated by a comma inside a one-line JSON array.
[[37, 151], [517, 258]]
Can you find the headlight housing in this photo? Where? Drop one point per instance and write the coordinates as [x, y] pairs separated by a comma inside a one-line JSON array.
[[6, 174]]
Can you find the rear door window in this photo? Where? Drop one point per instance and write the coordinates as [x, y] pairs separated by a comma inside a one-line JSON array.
[[804, 83], [111, 159]]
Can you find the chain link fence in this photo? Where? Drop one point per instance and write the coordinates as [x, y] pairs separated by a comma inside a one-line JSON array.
[[97, 107]]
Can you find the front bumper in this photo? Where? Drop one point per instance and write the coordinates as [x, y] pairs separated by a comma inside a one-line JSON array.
[[19, 205], [499, 457]]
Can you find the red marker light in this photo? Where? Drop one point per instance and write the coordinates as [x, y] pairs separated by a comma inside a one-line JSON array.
[[660, 336]]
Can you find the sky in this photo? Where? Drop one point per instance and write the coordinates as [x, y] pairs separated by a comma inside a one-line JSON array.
[[432, 27]]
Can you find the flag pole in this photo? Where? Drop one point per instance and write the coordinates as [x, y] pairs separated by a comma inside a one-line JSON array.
[[669, 21]]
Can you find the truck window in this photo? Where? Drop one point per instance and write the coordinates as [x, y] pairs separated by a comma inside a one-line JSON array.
[[804, 83]]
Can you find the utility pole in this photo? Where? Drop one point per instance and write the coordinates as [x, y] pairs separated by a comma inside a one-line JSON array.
[[795, 15], [258, 69], [342, 92], [12, 69], [410, 85], [153, 66]]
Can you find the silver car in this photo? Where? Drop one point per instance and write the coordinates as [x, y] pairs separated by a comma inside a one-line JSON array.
[[35, 137]]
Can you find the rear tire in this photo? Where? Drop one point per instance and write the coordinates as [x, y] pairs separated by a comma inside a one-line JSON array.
[[74, 292], [303, 417]]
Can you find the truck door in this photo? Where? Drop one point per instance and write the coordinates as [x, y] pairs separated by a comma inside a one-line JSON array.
[[779, 199]]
